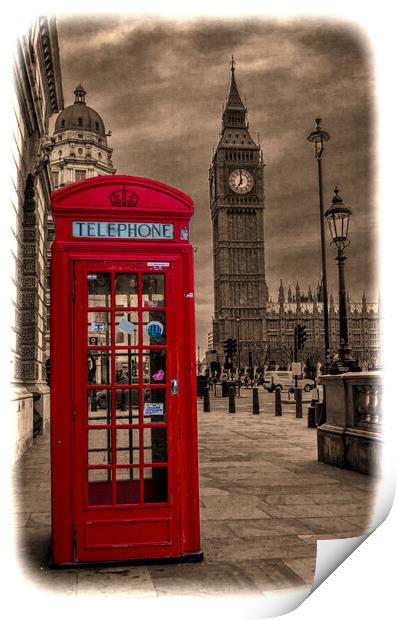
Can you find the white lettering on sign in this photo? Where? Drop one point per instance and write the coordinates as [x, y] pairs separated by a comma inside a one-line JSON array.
[[98, 327], [158, 265], [153, 409], [123, 230]]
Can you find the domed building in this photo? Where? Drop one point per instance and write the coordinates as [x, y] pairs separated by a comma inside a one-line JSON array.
[[80, 149]]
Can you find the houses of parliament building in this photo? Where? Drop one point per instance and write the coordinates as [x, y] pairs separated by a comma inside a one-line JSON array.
[[291, 309]]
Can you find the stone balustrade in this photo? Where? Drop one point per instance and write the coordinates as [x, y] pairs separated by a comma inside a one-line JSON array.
[[351, 436]]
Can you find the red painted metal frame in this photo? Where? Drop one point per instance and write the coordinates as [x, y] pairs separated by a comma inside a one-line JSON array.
[[95, 518], [89, 200]]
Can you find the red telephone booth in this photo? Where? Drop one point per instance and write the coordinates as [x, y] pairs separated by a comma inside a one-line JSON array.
[[123, 411]]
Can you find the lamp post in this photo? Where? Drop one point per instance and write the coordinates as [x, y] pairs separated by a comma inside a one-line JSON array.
[[338, 216], [318, 137], [238, 346]]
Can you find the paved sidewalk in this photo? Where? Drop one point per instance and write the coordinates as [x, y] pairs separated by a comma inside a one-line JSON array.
[[265, 501]]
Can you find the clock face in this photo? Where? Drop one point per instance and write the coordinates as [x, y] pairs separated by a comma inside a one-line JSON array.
[[241, 181]]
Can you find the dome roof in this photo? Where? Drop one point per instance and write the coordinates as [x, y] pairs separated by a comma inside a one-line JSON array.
[[79, 116]]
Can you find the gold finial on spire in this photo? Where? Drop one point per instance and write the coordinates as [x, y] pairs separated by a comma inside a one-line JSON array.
[[232, 63]]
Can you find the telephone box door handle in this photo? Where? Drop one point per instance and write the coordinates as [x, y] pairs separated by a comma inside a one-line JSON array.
[[174, 387]]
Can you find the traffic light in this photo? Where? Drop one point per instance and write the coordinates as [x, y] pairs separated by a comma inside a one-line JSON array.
[[230, 347], [301, 336]]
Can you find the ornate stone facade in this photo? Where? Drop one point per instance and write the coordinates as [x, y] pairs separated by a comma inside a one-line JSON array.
[[364, 325], [80, 149], [237, 206], [38, 95]]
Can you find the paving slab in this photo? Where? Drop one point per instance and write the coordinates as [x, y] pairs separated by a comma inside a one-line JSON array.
[[303, 567], [329, 525], [245, 528], [271, 575], [129, 582], [212, 529], [211, 491], [315, 510], [258, 548], [204, 579]]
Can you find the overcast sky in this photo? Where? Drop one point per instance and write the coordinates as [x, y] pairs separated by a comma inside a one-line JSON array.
[[160, 87]]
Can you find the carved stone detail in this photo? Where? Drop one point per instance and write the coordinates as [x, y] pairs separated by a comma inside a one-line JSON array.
[[29, 282], [28, 371], [28, 316], [29, 219], [368, 404], [26, 337], [29, 235], [29, 265], [28, 298], [29, 250]]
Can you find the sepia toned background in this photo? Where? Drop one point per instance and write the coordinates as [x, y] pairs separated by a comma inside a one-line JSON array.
[[160, 86]]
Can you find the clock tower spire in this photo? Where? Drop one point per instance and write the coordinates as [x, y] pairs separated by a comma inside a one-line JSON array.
[[235, 111], [237, 206]]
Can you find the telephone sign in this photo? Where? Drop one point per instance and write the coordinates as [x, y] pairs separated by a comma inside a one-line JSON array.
[[123, 230], [124, 466]]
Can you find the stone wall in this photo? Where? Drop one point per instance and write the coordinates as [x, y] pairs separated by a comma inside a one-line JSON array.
[[37, 95], [352, 434]]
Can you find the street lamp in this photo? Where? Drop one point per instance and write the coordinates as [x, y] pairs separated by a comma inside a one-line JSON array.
[[318, 137], [338, 216]]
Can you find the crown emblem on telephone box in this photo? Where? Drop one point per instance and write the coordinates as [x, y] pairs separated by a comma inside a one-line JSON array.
[[123, 198]]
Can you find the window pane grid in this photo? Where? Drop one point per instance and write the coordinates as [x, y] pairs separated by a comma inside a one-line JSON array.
[[100, 467], [141, 473]]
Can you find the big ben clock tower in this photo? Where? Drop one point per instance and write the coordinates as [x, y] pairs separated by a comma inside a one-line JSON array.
[[237, 206]]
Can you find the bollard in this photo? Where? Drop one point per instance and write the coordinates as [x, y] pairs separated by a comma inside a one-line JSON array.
[[311, 418], [277, 401], [232, 401], [298, 402], [206, 400], [255, 401], [319, 414]]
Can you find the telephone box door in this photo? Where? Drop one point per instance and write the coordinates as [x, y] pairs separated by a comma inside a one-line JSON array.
[[127, 500]]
